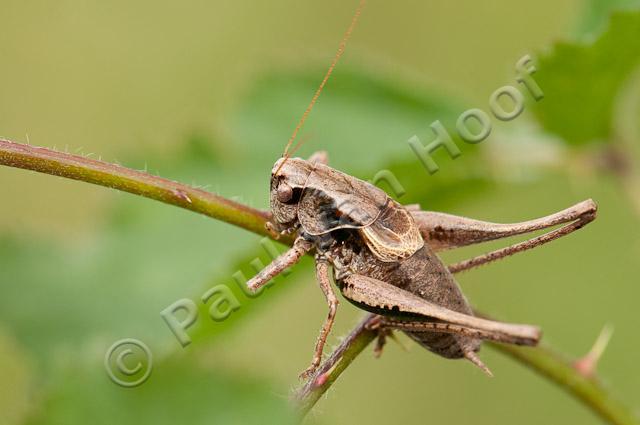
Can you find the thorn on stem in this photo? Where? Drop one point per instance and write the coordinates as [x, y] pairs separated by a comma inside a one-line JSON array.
[[588, 364], [321, 379], [181, 195]]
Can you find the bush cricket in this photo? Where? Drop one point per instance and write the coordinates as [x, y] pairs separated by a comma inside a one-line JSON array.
[[382, 255]]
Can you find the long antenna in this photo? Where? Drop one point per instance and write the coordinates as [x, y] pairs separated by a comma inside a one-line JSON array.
[[315, 97]]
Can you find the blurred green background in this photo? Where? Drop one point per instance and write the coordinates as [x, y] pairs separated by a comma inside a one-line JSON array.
[[208, 93]]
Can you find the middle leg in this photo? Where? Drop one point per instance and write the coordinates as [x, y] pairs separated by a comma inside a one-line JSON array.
[[322, 274]]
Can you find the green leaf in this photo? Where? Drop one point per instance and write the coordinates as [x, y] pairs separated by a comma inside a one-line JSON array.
[[57, 298], [16, 373], [597, 12], [183, 390], [117, 281], [362, 121], [581, 80]]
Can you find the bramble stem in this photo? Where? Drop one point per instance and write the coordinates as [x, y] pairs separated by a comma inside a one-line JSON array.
[[542, 359], [351, 346], [102, 173], [560, 370]]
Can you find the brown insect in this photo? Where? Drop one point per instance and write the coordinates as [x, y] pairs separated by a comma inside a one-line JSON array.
[[383, 255]]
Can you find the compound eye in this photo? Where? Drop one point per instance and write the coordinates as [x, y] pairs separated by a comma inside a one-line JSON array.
[[284, 193]]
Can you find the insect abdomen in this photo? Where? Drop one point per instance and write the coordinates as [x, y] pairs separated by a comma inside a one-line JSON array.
[[422, 274]]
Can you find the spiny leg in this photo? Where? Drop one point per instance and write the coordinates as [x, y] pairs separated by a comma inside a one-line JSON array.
[[277, 266], [388, 300], [444, 231], [519, 247], [385, 326], [450, 328], [322, 274], [390, 324]]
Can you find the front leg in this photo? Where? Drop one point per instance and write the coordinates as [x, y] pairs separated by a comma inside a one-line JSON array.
[[292, 256], [322, 274]]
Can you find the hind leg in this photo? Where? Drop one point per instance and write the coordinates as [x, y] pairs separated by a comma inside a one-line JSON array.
[[390, 301], [445, 231]]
